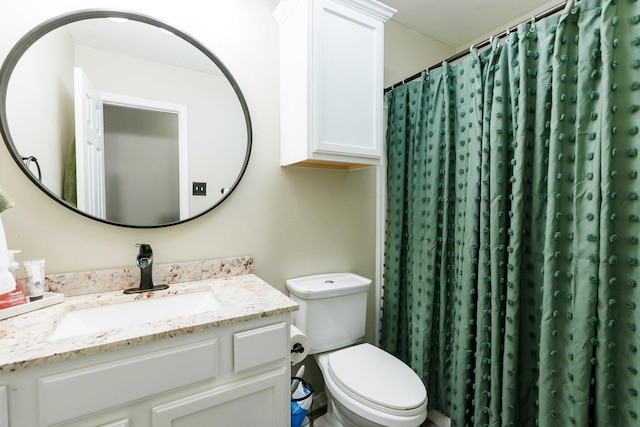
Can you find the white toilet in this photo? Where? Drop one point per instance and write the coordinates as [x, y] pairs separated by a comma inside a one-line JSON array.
[[366, 386]]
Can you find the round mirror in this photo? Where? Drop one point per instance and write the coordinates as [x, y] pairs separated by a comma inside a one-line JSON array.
[[124, 119]]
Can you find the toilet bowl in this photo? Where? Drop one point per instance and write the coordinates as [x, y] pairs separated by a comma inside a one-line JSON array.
[[366, 386]]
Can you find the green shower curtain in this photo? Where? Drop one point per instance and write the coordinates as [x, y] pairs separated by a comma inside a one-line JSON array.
[[513, 225]]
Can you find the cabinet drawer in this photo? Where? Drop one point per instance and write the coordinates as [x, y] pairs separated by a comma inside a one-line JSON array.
[[85, 391], [260, 346]]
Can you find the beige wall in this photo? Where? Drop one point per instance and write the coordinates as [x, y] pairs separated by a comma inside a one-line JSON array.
[[292, 221], [408, 52], [510, 24], [214, 122], [49, 97]]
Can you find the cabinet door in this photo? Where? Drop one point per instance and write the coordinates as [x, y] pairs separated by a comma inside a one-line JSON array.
[[4, 407], [120, 423], [102, 420], [348, 68], [259, 401]]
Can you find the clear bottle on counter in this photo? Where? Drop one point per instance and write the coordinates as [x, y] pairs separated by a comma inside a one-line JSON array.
[[34, 283]]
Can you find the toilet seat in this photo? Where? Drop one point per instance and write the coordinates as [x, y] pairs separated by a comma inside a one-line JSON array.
[[378, 380]]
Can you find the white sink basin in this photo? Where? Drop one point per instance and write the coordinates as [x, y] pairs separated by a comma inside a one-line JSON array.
[[113, 316]]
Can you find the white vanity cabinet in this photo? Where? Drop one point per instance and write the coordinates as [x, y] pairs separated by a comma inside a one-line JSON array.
[[331, 82], [4, 408], [236, 375]]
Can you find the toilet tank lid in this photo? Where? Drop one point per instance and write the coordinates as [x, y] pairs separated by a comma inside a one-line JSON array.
[[327, 285]]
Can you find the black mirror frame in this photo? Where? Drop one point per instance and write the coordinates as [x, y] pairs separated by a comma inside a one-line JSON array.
[[36, 33]]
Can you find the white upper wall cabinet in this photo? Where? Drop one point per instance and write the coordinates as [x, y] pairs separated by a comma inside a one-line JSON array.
[[331, 82]]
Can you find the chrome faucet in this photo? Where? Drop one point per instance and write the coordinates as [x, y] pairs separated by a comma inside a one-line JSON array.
[[145, 263]]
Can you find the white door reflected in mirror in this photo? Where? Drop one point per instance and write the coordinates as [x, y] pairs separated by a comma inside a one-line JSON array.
[[90, 171]]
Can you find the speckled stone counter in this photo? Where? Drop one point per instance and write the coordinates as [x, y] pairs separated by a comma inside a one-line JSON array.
[[90, 282], [25, 339]]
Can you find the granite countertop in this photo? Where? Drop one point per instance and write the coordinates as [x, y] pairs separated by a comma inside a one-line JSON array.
[[24, 339]]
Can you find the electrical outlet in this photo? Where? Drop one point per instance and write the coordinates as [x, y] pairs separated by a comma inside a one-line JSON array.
[[199, 188]]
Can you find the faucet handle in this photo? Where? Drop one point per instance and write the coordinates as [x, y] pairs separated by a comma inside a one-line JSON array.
[[145, 249], [144, 261]]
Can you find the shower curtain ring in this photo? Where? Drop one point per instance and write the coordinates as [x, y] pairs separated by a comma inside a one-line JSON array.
[[533, 24]]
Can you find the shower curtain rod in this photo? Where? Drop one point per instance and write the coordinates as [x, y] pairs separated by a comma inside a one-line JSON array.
[[552, 10]]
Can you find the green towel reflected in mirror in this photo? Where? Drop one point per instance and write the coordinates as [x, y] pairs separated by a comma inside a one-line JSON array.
[[69, 193]]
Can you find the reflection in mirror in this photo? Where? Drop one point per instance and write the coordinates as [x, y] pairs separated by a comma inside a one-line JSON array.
[[122, 116]]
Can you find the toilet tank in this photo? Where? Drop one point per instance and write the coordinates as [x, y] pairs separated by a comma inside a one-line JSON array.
[[333, 309]]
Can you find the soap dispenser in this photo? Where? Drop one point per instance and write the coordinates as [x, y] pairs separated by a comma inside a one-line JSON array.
[[10, 295], [7, 263]]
